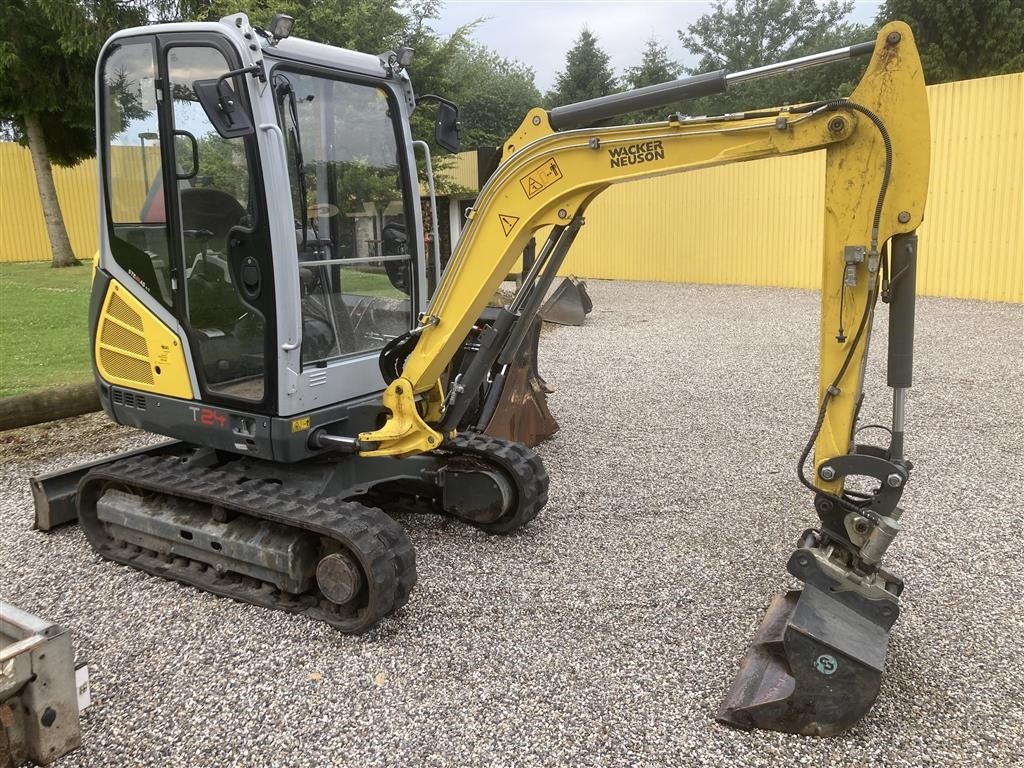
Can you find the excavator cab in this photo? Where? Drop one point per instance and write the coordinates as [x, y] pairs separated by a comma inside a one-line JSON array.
[[186, 217], [279, 273], [261, 243]]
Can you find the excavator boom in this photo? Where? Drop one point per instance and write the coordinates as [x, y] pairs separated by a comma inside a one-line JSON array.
[[816, 663], [547, 178]]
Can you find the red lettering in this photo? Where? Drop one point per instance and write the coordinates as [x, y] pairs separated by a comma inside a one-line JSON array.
[[210, 418]]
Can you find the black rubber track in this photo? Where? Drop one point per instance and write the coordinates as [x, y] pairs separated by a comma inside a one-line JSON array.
[[520, 464], [380, 545]]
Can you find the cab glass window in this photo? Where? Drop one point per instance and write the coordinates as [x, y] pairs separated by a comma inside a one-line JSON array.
[[355, 235], [134, 174], [213, 180]]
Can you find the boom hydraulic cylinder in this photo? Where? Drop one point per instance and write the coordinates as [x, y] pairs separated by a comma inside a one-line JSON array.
[[604, 107]]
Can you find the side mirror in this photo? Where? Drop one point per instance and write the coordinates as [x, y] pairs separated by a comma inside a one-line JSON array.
[[221, 105], [447, 126], [186, 155]]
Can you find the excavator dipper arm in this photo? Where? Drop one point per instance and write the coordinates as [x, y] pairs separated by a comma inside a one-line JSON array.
[[816, 662]]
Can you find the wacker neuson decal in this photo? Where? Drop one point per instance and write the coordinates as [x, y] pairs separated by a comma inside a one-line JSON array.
[[633, 154]]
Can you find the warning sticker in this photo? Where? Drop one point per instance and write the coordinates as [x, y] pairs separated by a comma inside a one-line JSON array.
[[507, 222], [300, 425], [540, 178]]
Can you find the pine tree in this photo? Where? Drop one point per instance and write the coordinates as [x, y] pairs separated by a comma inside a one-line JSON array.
[[587, 74], [751, 33], [656, 66], [493, 92]]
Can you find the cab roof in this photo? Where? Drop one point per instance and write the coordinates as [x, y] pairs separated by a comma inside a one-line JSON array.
[[297, 49]]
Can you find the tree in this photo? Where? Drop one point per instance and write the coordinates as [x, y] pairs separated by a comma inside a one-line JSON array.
[[494, 94], [369, 26], [750, 33], [961, 39], [432, 73], [48, 51], [655, 67], [587, 73]]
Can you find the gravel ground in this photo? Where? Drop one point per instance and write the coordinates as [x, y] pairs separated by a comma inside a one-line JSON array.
[[607, 631]]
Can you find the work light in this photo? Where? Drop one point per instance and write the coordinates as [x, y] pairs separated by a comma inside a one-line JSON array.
[[281, 25]]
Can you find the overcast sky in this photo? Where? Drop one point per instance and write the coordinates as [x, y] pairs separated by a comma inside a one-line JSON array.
[[539, 32]]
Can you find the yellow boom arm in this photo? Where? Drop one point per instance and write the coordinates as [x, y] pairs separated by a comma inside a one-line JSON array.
[[548, 178]]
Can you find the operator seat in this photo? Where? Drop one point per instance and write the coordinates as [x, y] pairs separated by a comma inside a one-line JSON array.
[[216, 312], [208, 214]]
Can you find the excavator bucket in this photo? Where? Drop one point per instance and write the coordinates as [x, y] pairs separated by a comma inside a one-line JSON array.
[[815, 664], [522, 413], [568, 304]]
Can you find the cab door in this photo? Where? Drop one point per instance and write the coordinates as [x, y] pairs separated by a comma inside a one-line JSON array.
[[357, 226], [219, 228]]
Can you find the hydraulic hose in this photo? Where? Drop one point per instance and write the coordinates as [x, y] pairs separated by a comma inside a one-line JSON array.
[[869, 306]]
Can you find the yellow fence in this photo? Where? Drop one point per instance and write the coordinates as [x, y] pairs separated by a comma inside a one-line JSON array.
[[22, 231], [754, 224], [761, 223]]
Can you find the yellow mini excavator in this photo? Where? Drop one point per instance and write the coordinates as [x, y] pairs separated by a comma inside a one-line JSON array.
[[260, 297]]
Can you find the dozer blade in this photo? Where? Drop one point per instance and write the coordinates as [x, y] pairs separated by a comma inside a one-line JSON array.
[[568, 304], [815, 664]]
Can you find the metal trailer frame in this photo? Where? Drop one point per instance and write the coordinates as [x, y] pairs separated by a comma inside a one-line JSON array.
[[38, 691]]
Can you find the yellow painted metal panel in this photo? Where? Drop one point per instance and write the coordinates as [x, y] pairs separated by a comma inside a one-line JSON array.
[[132, 178], [135, 350], [972, 239], [460, 169], [22, 229], [22, 233], [76, 190], [745, 224]]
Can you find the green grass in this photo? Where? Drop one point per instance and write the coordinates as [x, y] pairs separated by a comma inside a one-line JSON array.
[[44, 323], [44, 327], [368, 284]]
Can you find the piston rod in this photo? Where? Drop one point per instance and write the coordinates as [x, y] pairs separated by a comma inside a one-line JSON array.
[[814, 60]]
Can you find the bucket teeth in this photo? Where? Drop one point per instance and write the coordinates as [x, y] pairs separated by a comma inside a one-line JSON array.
[[814, 667]]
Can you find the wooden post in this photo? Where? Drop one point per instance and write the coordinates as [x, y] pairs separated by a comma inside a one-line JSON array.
[[48, 405]]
